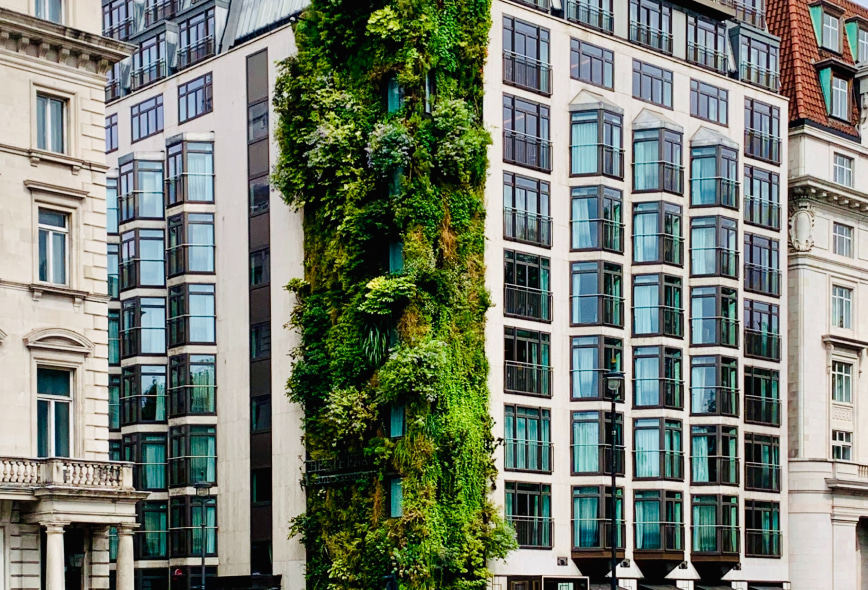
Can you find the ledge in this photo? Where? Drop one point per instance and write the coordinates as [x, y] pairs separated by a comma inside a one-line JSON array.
[[38, 289], [843, 196], [53, 189], [843, 342]]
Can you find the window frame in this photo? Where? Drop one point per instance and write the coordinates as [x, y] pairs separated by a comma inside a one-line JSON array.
[[603, 444], [725, 179], [842, 376], [180, 253], [761, 343], [133, 449], [537, 453], [842, 239], [842, 307], [724, 368], [701, 29], [842, 170], [606, 232], [181, 183], [754, 446], [608, 151], [181, 455], [670, 462], [655, 76], [669, 172], [757, 210], [537, 224], [670, 505], [651, 25], [725, 249], [522, 377], [671, 245], [184, 531], [669, 363], [666, 315], [839, 108], [181, 388], [50, 401], [260, 266], [606, 350], [538, 66], [159, 507], [762, 409], [596, 58], [204, 84], [131, 328], [842, 445], [142, 110], [540, 535], [46, 248], [514, 262], [260, 340], [180, 319], [45, 141], [131, 194], [759, 277], [609, 305], [111, 133], [762, 131], [131, 261], [726, 506], [704, 94], [831, 32], [753, 513], [603, 495], [723, 435], [135, 399], [536, 147]]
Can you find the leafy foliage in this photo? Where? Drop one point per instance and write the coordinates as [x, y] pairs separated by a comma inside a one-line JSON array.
[[372, 181]]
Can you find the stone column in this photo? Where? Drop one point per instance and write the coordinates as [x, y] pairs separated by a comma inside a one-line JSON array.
[[844, 558], [54, 556], [125, 557]]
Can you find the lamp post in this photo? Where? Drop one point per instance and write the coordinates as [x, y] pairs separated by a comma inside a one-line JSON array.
[[203, 492], [614, 382]]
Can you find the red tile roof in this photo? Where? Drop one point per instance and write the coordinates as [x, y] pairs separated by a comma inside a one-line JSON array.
[[800, 82]]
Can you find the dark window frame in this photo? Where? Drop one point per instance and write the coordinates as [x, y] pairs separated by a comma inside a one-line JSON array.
[[726, 542], [670, 376], [609, 305], [760, 476], [725, 395], [701, 29], [537, 301], [725, 326], [725, 179], [131, 260], [260, 341], [725, 465], [523, 377], [603, 494], [201, 92], [764, 408], [759, 211], [670, 244], [536, 225], [534, 142], [604, 444], [181, 388], [178, 322], [760, 277], [606, 231], [762, 131], [608, 151], [669, 168], [130, 191], [532, 69], [592, 64], [181, 455], [133, 451], [140, 405], [670, 319], [702, 95], [181, 184], [533, 531], [725, 258], [759, 542], [608, 356], [184, 533], [651, 25], [179, 253], [762, 343], [646, 77], [111, 133], [141, 118], [670, 462], [131, 325], [531, 456]]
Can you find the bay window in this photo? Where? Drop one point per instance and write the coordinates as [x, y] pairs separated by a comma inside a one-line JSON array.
[[715, 525], [185, 527], [659, 517], [143, 327], [657, 449], [714, 247], [596, 219], [142, 259], [592, 443], [193, 455], [657, 306], [658, 377], [190, 173], [592, 356], [657, 161], [714, 177], [143, 394], [192, 384], [148, 453], [596, 294], [526, 210], [141, 190], [714, 317], [191, 244], [596, 144], [714, 455], [527, 435], [527, 286], [592, 518], [657, 234], [191, 315], [529, 512], [713, 386]]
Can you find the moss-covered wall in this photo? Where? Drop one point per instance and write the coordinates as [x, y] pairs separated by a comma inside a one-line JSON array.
[[377, 184]]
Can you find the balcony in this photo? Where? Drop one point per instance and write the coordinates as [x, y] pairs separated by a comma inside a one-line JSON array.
[[659, 536], [532, 532], [120, 30], [714, 401], [527, 72], [344, 469], [527, 227], [527, 379], [538, 4], [762, 543], [528, 455], [595, 534], [148, 75], [658, 176], [160, 11], [527, 303], [606, 160], [761, 279], [196, 52], [597, 459], [762, 476], [762, 410], [762, 146], [651, 37], [715, 539], [527, 150], [762, 212], [762, 345], [747, 14], [709, 58], [658, 464], [581, 11], [27, 475], [715, 470], [112, 90], [716, 331], [760, 76]]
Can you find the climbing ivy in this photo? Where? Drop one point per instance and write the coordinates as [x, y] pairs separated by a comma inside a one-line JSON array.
[[391, 311]]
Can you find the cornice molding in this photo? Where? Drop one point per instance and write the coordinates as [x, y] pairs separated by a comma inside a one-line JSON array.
[[41, 39]]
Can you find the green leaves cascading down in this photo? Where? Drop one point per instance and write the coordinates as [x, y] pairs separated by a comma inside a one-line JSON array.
[[384, 150]]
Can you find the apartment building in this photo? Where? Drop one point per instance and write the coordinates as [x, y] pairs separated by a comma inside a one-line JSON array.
[[198, 351], [59, 495], [824, 76], [638, 156]]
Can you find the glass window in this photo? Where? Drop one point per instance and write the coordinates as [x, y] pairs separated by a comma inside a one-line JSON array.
[[396, 497], [141, 190], [261, 486], [591, 357], [842, 239], [113, 270], [151, 535], [657, 306], [596, 14], [657, 161], [257, 121], [762, 398], [761, 330], [114, 337], [526, 133], [529, 512], [658, 378], [260, 414], [706, 42], [714, 177], [842, 382], [762, 135], [762, 198], [51, 123], [259, 193], [652, 84], [148, 453], [713, 385], [53, 255], [527, 362], [842, 445], [592, 64], [149, 64], [526, 211], [596, 294], [50, 10], [596, 222], [260, 341], [651, 24], [526, 56], [596, 144], [762, 525], [714, 455], [715, 525], [863, 45], [843, 170], [526, 286], [186, 526], [527, 436], [842, 302], [193, 455], [659, 520], [713, 247], [114, 391], [147, 118], [111, 205], [709, 103], [191, 315], [761, 265], [592, 516], [111, 133], [260, 267], [196, 38], [143, 327], [762, 462], [657, 450], [142, 259], [190, 170], [117, 19], [840, 98], [192, 384], [191, 244], [195, 98], [760, 62], [657, 233], [830, 32], [53, 412], [143, 394], [592, 443]]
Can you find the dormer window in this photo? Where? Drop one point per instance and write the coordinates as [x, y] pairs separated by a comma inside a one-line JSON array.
[[862, 52], [840, 98], [831, 38]]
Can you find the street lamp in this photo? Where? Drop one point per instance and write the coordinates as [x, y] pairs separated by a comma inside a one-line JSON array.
[[203, 492], [614, 382]]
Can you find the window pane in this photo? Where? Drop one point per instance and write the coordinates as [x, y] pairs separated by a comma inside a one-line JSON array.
[[56, 112], [61, 429], [41, 118], [52, 382], [58, 262], [43, 430], [43, 255]]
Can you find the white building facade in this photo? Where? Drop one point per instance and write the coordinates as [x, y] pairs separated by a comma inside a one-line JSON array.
[[59, 495], [638, 156]]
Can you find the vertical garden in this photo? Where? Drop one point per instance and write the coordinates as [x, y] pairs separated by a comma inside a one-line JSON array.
[[384, 151]]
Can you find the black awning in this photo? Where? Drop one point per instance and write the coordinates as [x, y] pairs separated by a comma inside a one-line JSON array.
[[604, 586], [716, 588], [657, 586]]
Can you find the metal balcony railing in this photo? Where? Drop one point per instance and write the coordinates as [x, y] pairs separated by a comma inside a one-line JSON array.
[[121, 30], [760, 76], [527, 150], [658, 464], [532, 531], [761, 279], [762, 476], [762, 212], [762, 146], [595, 534], [761, 543], [597, 459], [160, 11], [704, 56], [659, 536], [527, 227], [527, 72], [763, 345], [196, 52], [112, 90], [147, 75], [651, 37], [714, 400], [528, 455], [762, 410], [527, 378], [528, 303], [715, 539], [591, 14], [716, 469]]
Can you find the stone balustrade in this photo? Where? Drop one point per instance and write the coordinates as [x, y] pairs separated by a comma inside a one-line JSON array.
[[75, 473]]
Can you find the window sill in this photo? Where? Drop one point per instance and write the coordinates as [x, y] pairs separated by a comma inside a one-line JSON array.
[[38, 289], [75, 165]]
